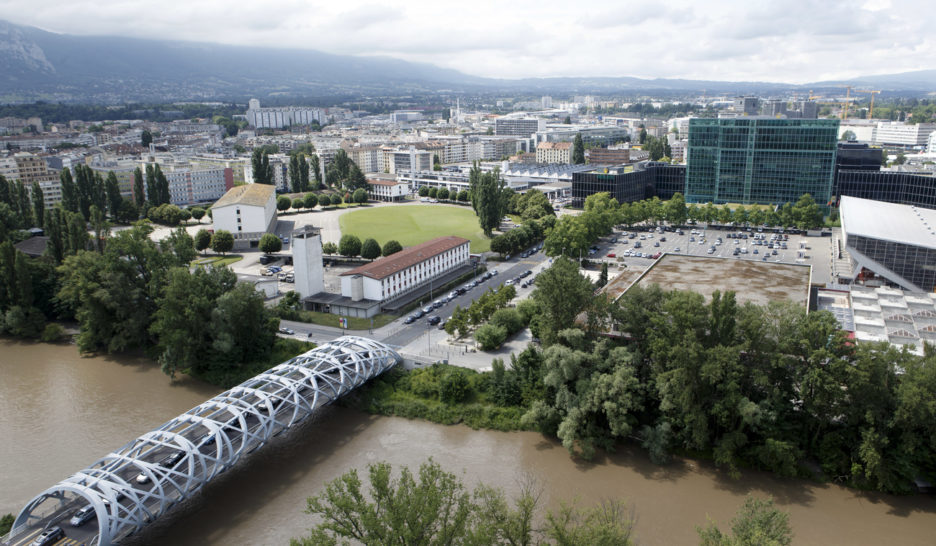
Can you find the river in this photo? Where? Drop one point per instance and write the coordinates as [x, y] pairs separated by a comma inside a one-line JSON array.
[[60, 412]]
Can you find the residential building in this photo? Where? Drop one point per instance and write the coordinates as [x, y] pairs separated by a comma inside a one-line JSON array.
[[547, 102], [367, 158], [246, 211], [898, 134], [187, 186], [893, 242], [746, 106], [409, 160], [28, 168], [405, 271], [750, 160], [521, 127], [554, 152], [284, 116], [406, 116]]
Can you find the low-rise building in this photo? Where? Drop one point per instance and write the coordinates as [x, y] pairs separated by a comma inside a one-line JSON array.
[[554, 152], [387, 189], [408, 270], [247, 212], [607, 156]]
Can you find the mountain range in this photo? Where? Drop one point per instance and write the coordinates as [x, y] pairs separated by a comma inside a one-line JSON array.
[[39, 65]]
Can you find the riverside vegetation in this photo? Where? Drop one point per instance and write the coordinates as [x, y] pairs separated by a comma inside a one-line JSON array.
[[433, 506], [767, 387]]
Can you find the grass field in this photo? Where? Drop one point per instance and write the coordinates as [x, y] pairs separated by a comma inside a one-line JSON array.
[[414, 224], [218, 261]]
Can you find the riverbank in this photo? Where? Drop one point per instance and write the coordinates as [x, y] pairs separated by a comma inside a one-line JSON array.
[[60, 412]]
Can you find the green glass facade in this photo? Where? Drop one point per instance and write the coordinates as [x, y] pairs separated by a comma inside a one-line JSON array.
[[760, 160]]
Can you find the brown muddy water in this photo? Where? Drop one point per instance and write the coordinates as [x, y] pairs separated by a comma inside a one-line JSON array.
[[60, 412]]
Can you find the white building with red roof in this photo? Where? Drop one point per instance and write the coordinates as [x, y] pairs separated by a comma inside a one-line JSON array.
[[405, 271], [387, 189]]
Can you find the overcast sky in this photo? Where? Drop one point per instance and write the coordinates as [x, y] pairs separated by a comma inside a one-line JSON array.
[[793, 41]]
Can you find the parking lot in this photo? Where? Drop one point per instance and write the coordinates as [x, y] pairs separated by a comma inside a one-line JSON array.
[[638, 248]]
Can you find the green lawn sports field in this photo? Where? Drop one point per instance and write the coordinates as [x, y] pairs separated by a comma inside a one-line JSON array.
[[414, 224]]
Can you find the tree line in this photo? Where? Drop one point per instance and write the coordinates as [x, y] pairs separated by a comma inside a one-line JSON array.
[[770, 387]]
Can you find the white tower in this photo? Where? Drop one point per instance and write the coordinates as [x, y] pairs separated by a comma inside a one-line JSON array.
[[307, 261]]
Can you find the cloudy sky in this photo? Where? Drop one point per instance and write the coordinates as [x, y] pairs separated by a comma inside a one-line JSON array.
[[768, 40]]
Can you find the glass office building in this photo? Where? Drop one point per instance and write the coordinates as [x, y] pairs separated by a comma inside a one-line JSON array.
[[893, 187], [752, 160], [626, 184]]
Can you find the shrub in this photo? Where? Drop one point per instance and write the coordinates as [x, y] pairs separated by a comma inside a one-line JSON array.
[[424, 191], [508, 319], [391, 247], [349, 245], [335, 199], [370, 249], [463, 195], [433, 192], [330, 248], [454, 387], [490, 336], [283, 203], [52, 332], [359, 195], [444, 193]]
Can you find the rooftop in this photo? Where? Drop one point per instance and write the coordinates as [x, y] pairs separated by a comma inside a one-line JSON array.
[[257, 195], [752, 281], [889, 221], [406, 258], [554, 146]]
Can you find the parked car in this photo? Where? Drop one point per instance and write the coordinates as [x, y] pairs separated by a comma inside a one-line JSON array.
[[410, 319], [612, 255], [427, 309], [442, 325], [434, 319]]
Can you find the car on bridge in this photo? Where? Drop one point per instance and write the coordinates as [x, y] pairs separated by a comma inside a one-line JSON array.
[[49, 536], [82, 516], [168, 461]]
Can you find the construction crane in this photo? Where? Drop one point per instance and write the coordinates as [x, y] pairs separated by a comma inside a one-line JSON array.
[[847, 102], [873, 92]]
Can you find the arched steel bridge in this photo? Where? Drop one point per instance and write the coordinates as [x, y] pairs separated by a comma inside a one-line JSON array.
[[133, 486]]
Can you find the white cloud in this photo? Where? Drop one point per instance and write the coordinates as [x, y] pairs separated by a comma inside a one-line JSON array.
[[793, 40]]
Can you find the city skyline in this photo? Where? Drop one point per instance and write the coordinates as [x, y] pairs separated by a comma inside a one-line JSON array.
[[796, 42]]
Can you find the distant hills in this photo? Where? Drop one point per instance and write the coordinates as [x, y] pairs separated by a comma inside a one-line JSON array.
[[40, 65]]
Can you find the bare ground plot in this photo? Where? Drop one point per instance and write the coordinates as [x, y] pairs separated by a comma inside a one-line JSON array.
[[753, 281]]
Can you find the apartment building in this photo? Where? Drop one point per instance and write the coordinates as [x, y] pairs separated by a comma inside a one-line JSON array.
[[554, 152]]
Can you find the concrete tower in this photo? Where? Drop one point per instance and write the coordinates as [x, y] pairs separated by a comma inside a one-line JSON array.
[[307, 259]]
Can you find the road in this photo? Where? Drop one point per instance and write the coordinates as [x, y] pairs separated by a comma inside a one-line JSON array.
[[397, 335]]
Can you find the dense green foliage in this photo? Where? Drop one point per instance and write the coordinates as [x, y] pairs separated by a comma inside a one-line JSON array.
[[757, 523], [370, 249], [490, 197], [270, 243], [6, 523], [260, 167], [349, 245], [391, 247], [578, 150], [480, 310], [434, 507], [222, 241]]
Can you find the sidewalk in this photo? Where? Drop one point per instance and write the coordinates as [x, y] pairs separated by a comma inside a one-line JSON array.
[[463, 353]]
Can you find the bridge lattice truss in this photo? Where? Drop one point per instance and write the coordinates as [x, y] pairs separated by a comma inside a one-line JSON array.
[[211, 438]]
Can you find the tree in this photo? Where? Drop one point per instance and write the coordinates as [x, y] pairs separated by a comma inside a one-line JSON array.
[[391, 247], [222, 241], [443, 193], [675, 210], [901, 159], [349, 245], [757, 523], [298, 203], [848, 135], [356, 179], [162, 186], [146, 139], [38, 204], [492, 198], [270, 243], [283, 203], [303, 173], [370, 249], [139, 194], [202, 240], [69, 191], [329, 248], [436, 164], [578, 150], [424, 191], [463, 196], [608, 524], [433, 193], [198, 213], [567, 120], [603, 276], [359, 195], [309, 201], [293, 172], [335, 199], [561, 293], [260, 167], [643, 135], [316, 167], [806, 213], [114, 199]]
